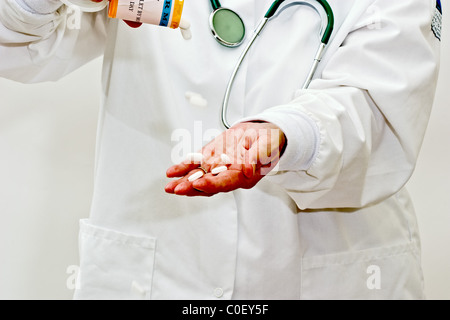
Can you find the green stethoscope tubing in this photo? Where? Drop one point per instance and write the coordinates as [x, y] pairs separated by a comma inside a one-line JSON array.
[[326, 36], [326, 7]]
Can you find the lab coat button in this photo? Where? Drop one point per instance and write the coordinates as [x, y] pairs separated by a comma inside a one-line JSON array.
[[218, 292]]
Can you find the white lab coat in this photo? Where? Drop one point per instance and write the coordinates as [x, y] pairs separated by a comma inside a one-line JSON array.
[[334, 223]]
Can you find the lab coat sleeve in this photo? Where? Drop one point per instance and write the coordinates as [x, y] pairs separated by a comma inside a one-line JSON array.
[[354, 136], [44, 41]]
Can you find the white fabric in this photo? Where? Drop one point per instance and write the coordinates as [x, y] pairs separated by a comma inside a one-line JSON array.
[[27, 21], [319, 228], [41, 47], [87, 5], [40, 6]]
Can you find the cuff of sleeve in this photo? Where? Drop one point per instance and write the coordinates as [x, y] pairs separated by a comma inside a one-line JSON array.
[[40, 6], [302, 135], [35, 26]]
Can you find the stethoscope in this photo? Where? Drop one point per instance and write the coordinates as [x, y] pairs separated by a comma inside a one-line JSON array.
[[229, 30]]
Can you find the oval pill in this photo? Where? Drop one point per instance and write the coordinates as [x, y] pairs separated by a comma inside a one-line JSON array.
[[219, 170], [196, 176], [186, 34], [194, 157], [185, 28], [225, 158], [184, 24], [198, 101], [190, 94]]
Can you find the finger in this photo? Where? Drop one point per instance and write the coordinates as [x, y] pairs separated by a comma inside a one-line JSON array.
[[183, 187], [133, 24], [267, 166], [187, 189], [172, 186], [248, 162], [224, 182], [180, 170], [266, 149], [249, 169], [261, 156], [221, 183], [214, 163]]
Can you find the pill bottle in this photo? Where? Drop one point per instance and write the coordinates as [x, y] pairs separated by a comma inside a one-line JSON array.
[[166, 13]]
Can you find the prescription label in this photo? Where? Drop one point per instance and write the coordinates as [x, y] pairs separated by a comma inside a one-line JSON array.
[[166, 13], [436, 24]]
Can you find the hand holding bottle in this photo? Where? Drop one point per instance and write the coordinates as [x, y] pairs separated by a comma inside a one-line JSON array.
[[135, 13]]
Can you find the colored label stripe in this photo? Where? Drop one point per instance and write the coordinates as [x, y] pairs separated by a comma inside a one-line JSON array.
[[438, 5], [165, 16]]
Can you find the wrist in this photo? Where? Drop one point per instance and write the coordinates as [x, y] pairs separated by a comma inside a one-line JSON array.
[[300, 134]]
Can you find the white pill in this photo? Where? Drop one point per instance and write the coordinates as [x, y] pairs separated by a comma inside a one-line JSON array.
[[196, 176], [190, 94], [194, 157], [219, 170], [184, 24], [136, 287], [225, 158], [186, 34], [198, 101], [185, 28]]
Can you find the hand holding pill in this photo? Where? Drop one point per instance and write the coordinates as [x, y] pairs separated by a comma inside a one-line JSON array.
[[238, 158]]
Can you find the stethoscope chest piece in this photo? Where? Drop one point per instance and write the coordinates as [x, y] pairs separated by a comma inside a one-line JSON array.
[[227, 27]]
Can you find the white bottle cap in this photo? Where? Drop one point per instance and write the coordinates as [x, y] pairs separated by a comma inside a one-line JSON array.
[[87, 5]]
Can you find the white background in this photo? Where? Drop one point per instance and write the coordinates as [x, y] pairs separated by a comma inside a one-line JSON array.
[[47, 143]]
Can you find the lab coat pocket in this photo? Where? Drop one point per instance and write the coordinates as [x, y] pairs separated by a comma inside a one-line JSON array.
[[114, 265], [381, 273]]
